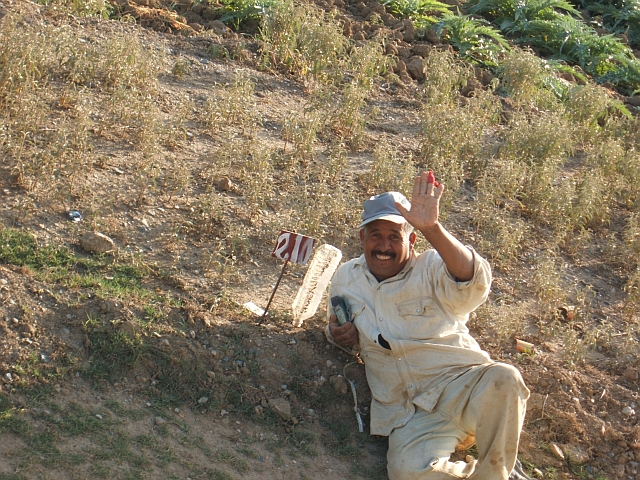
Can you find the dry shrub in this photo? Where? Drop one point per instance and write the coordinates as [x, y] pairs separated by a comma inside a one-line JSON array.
[[632, 302], [453, 139], [452, 134], [498, 208], [632, 235], [389, 172], [302, 40], [502, 235], [528, 80], [118, 60], [301, 132], [587, 106], [257, 175], [360, 68], [445, 75], [231, 104], [504, 320]]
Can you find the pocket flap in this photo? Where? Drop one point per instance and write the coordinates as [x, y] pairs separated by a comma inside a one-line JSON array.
[[416, 306]]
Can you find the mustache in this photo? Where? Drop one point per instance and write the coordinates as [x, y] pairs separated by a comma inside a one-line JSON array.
[[390, 253]]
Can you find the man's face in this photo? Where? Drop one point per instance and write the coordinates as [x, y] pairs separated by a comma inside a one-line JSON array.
[[387, 248]]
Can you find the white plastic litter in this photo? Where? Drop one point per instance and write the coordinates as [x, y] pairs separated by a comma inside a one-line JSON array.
[[323, 265]]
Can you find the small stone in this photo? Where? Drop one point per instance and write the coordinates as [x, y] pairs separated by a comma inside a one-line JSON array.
[[98, 416], [575, 454], [223, 184], [631, 374], [415, 68], [556, 451], [211, 374], [97, 242], [339, 384], [281, 407], [129, 328], [628, 411], [203, 400], [159, 421], [192, 334], [8, 378], [421, 50], [164, 342]]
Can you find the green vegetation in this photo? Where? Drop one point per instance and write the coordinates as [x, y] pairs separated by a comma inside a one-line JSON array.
[[105, 275], [554, 29]]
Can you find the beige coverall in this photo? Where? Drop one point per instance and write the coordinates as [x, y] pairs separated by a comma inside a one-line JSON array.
[[432, 385]]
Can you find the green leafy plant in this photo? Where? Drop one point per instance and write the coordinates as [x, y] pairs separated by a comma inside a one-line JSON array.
[[618, 16], [475, 39], [550, 28], [424, 13], [235, 12]]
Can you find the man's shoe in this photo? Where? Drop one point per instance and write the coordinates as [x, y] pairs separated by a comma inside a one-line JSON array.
[[518, 472]]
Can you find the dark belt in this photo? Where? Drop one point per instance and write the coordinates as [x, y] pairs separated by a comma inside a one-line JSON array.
[[383, 343]]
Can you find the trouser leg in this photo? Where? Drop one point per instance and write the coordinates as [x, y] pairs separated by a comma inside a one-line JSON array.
[[496, 407], [488, 402], [422, 447]]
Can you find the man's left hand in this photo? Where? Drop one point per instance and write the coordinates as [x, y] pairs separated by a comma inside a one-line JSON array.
[[425, 204]]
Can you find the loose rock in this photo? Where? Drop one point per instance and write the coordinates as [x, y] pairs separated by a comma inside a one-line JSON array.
[[97, 243], [281, 407]]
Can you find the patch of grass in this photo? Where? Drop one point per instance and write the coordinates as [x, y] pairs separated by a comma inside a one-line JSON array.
[[340, 442], [75, 420], [9, 419], [216, 474], [301, 443], [111, 353], [231, 459], [52, 263]]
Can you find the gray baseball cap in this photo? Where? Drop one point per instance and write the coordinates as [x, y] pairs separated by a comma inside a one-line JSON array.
[[382, 207]]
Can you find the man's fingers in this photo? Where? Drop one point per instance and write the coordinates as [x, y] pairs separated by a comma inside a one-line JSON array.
[[401, 209]]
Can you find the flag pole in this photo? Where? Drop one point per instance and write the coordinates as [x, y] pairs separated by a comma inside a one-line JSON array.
[[284, 267]]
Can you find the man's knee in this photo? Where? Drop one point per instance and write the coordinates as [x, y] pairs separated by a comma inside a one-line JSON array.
[[505, 378]]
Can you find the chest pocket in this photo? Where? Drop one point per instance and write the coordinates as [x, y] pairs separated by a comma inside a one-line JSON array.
[[421, 319]]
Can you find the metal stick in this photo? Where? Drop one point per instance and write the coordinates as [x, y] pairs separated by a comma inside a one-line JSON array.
[[266, 309]]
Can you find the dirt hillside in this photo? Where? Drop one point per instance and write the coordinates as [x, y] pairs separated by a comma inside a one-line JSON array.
[[138, 360]]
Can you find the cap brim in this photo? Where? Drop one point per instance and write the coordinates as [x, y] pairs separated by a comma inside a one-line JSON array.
[[386, 216]]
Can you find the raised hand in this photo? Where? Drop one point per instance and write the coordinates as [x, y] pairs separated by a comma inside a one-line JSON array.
[[425, 202]]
